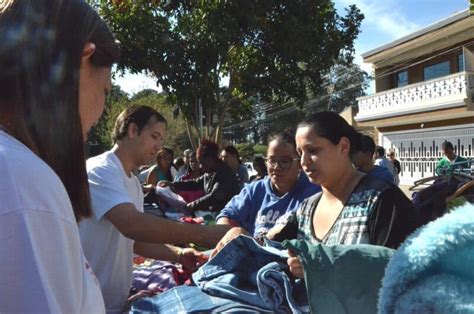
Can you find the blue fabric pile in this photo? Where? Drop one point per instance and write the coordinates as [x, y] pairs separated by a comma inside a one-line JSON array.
[[244, 276]]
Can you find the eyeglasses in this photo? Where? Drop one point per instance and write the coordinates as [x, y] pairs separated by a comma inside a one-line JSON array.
[[284, 163]]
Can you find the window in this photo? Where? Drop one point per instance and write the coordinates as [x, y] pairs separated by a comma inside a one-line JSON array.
[[402, 78], [436, 70], [460, 62]]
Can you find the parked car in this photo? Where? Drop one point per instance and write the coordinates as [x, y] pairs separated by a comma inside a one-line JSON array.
[[250, 169]]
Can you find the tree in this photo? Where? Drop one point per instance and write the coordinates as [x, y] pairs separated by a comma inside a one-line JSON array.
[[344, 83], [144, 93], [215, 55], [246, 151], [100, 134]]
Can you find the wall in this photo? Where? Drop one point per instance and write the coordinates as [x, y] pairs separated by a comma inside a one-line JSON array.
[[415, 72]]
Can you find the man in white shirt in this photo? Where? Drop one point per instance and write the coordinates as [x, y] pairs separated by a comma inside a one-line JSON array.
[[119, 227], [382, 161]]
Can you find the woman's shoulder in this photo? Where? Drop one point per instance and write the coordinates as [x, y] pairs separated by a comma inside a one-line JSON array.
[[28, 182], [374, 183], [18, 162], [376, 190]]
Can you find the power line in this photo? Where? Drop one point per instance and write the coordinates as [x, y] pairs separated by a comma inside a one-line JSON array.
[[269, 106]]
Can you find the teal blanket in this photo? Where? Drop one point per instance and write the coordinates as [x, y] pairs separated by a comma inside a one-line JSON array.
[[342, 278]]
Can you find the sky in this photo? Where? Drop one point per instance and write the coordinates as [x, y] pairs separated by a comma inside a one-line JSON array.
[[385, 21]]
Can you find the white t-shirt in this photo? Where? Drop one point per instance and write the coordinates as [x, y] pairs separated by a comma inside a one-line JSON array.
[[109, 252], [42, 265]]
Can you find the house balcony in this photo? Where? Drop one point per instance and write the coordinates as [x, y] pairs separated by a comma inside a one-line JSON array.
[[447, 92]]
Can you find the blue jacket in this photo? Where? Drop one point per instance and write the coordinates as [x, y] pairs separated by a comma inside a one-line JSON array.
[[247, 272], [432, 271], [257, 208], [382, 173]]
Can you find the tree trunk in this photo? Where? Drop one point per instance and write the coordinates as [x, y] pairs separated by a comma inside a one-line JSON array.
[[220, 125], [190, 136], [225, 103]]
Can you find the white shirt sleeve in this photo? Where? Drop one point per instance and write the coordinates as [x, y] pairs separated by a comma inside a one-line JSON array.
[[107, 189], [174, 172]]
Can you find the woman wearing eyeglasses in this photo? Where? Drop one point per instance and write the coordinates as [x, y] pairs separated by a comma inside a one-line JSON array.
[[352, 208], [268, 202]]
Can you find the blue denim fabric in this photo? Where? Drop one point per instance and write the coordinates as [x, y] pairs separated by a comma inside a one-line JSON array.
[[274, 286], [186, 299], [247, 272]]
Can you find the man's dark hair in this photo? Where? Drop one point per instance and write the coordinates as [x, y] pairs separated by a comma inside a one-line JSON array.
[[380, 151], [447, 145], [367, 144], [259, 161], [140, 115], [233, 151]]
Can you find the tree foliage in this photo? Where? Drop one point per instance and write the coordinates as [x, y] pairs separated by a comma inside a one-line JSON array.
[[221, 53], [344, 83], [246, 151], [100, 135]]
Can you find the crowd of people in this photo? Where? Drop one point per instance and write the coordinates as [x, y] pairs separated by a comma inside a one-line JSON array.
[[70, 227]]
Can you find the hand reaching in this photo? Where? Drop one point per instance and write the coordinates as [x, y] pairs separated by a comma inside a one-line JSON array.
[[148, 188], [191, 259], [229, 236], [164, 183], [296, 268]]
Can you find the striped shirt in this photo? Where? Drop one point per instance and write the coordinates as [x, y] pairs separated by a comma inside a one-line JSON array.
[[375, 213]]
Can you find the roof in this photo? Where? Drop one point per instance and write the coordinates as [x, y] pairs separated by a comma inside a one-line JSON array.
[[430, 28]]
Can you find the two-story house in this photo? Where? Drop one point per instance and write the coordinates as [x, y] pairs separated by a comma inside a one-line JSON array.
[[424, 91]]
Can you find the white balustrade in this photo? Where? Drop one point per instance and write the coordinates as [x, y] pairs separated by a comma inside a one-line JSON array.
[[444, 92]]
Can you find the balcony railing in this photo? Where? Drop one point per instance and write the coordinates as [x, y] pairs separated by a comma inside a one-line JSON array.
[[444, 92]]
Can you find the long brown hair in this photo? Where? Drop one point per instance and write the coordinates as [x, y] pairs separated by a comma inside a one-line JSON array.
[[42, 44]]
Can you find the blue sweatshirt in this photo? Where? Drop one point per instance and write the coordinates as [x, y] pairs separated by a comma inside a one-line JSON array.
[[381, 173], [257, 208]]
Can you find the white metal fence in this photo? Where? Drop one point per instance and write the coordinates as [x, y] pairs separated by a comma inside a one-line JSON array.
[[419, 150]]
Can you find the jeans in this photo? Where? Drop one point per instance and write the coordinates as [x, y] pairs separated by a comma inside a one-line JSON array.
[[247, 272], [186, 299]]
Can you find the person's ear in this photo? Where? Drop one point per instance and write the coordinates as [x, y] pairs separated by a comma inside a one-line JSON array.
[[88, 50], [132, 130], [345, 145]]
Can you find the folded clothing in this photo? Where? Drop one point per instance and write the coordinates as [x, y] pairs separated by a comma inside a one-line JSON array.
[[156, 277]]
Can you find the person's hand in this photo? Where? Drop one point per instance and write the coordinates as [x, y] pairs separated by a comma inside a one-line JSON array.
[[189, 209], [229, 236], [164, 183], [148, 188], [296, 268], [191, 259]]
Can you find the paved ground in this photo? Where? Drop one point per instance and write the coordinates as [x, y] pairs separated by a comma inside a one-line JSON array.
[[405, 190]]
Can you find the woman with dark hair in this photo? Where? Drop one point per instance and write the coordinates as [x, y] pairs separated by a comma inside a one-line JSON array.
[[194, 172], [352, 208], [230, 155], [164, 169], [55, 61], [218, 185], [266, 203]]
